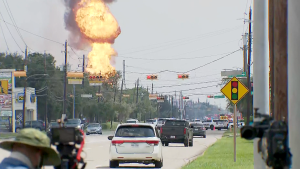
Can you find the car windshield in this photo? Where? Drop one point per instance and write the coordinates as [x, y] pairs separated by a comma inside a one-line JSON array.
[[197, 120], [135, 131], [197, 124], [175, 123], [94, 125], [131, 121], [73, 121]]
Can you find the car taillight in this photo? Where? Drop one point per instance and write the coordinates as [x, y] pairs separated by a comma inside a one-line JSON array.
[[184, 131], [160, 130], [44, 124], [203, 128], [155, 142], [115, 142]]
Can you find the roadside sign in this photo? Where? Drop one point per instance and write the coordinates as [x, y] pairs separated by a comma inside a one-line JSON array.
[[219, 97], [160, 101], [126, 95], [74, 81], [98, 94], [95, 83], [87, 95], [153, 96], [234, 90]]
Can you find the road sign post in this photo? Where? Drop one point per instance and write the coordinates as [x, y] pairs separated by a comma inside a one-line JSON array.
[[234, 90]]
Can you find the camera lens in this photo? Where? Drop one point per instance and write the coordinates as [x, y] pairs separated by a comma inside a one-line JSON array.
[[248, 132]]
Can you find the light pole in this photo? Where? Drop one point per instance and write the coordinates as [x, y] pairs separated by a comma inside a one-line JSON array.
[[24, 97]]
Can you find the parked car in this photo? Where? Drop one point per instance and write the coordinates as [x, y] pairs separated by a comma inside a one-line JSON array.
[[176, 131], [221, 124], [94, 128], [74, 123], [198, 129], [132, 121], [152, 121], [135, 143], [37, 124]]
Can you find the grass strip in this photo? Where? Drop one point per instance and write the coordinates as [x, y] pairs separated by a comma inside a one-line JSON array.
[[220, 155]]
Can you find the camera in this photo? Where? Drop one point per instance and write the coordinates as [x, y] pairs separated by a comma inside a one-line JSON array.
[[273, 140], [69, 142]]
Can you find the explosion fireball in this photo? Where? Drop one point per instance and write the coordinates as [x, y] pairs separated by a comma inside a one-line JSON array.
[[99, 28]]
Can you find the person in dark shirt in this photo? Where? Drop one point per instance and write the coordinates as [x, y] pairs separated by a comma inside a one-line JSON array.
[[30, 150]]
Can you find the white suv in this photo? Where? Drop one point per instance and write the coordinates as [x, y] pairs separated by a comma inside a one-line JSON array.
[[135, 143]]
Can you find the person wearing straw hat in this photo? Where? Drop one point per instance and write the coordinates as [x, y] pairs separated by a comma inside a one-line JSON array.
[[30, 150]]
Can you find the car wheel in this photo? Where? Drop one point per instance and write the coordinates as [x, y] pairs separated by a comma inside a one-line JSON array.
[[186, 143], [204, 136], [100, 133], [113, 164], [158, 164], [212, 127], [17, 130], [191, 143], [166, 144], [87, 133]]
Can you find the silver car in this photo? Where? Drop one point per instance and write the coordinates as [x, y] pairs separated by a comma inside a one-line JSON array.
[[94, 128]]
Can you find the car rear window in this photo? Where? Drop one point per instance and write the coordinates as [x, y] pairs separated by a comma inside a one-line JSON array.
[[150, 121], [175, 123], [135, 131], [196, 124]]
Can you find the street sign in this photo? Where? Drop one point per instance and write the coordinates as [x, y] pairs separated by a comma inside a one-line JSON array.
[[87, 95], [219, 97], [240, 75], [234, 90], [126, 95], [153, 96], [98, 94], [95, 83], [74, 81], [231, 73], [160, 101]]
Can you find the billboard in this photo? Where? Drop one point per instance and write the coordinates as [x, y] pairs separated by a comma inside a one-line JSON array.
[[5, 94]]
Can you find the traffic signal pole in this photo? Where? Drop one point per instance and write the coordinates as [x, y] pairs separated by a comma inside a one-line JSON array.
[[249, 97], [294, 81], [65, 77], [260, 68]]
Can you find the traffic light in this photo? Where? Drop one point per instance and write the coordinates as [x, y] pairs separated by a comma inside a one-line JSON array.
[[151, 77], [234, 90], [95, 77], [160, 98], [210, 96], [183, 76], [185, 97]]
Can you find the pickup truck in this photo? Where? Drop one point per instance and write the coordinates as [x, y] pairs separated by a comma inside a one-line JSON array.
[[209, 124], [176, 131], [221, 124]]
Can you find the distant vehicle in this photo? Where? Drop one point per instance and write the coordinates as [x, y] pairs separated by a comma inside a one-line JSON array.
[[94, 128], [135, 143], [50, 127], [176, 131], [74, 123], [161, 122], [132, 121], [197, 120], [37, 124], [221, 124], [198, 129], [152, 121], [209, 124]]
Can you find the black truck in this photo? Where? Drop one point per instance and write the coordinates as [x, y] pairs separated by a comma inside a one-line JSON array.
[[176, 131]]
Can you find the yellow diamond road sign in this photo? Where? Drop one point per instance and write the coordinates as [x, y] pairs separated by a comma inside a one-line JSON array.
[[234, 90]]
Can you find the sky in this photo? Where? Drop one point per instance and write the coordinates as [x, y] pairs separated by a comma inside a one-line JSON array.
[[163, 37]]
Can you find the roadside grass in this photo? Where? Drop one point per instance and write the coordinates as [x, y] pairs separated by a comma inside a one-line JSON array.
[[220, 154], [7, 135]]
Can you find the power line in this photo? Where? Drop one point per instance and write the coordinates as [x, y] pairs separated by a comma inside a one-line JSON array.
[[4, 37], [11, 33], [13, 20]]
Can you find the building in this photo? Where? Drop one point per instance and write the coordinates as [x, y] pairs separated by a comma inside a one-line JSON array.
[[30, 106]]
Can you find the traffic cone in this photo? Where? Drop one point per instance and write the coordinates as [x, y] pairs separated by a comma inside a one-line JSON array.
[[214, 128]]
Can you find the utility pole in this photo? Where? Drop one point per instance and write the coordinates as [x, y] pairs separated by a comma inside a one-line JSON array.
[[25, 86], [260, 68], [74, 101], [137, 95], [152, 89], [249, 99], [65, 77], [280, 60], [294, 80], [271, 56], [133, 96], [245, 52], [172, 108], [121, 91], [83, 69], [46, 91], [124, 74]]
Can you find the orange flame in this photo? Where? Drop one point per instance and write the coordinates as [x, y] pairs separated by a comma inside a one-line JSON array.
[[100, 27]]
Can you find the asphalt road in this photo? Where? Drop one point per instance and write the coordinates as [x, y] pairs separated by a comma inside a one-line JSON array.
[[175, 155]]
